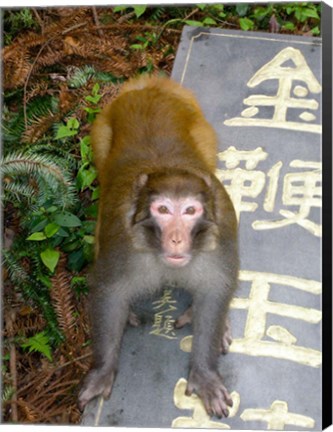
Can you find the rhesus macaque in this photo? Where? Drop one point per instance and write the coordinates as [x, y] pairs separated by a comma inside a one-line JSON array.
[[163, 218]]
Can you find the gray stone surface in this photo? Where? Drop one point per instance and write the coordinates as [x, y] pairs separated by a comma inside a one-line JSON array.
[[262, 93]]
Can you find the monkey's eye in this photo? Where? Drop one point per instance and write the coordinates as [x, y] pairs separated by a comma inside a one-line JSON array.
[[190, 210], [163, 209]]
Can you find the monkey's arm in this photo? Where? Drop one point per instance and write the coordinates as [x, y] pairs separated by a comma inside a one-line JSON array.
[[210, 308], [111, 312]]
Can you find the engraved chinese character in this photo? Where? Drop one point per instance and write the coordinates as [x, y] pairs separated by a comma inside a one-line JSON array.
[[301, 189], [199, 418], [282, 344], [288, 66], [242, 183], [277, 416], [163, 322], [166, 300]]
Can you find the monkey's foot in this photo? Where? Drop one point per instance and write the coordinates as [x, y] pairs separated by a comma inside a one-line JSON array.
[[209, 387], [97, 382], [133, 320], [185, 318]]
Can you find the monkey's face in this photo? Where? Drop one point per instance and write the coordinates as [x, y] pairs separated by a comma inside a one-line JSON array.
[[175, 218]]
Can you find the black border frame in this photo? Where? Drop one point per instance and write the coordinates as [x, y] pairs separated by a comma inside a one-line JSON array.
[[326, 30]]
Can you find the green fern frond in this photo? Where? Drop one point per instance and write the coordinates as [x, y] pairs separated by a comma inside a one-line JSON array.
[[13, 126], [16, 191], [39, 343], [7, 393], [29, 285], [17, 274], [50, 177], [107, 77], [157, 13], [81, 76], [41, 106], [60, 155]]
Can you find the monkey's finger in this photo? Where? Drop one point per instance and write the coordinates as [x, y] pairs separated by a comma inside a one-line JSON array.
[[219, 408], [185, 318], [133, 319], [227, 398], [189, 389]]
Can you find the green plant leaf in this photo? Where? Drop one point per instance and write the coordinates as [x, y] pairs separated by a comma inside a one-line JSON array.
[[288, 25], [64, 132], [193, 23], [85, 177], [50, 258], [39, 224], [96, 193], [137, 46], [246, 24], [51, 229], [260, 12], [73, 123], [66, 219], [39, 343], [85, 149], [139, 10], [68, 130], [62, 233], [310, 13], [93, 99], [96, 89], [37, 236], [209, 21], [90, 239], [141, 38], [119, 8], [76, 260], [241, 9], [315, 31], [45, 280]]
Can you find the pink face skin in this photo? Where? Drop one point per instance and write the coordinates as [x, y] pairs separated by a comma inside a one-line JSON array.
[[176, 218]]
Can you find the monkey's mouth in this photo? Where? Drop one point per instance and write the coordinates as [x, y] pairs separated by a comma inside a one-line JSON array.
[[177, 260]]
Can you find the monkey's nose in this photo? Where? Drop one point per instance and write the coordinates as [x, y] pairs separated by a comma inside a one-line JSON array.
[[176, 241], [176, 237]]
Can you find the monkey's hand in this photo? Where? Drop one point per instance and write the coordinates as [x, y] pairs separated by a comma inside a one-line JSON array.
[[97, 382], [208, 385]]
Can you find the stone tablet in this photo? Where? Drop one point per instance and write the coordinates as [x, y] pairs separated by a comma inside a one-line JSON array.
[[262, 93]]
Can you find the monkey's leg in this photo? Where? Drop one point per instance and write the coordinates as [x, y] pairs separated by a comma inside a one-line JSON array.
[[226, 340], [109, 317], [204, 377]]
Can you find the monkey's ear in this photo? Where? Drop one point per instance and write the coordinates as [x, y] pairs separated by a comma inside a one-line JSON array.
[[139, 206], [224, 209], [138, 184], [206, 177], [141, 181]]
